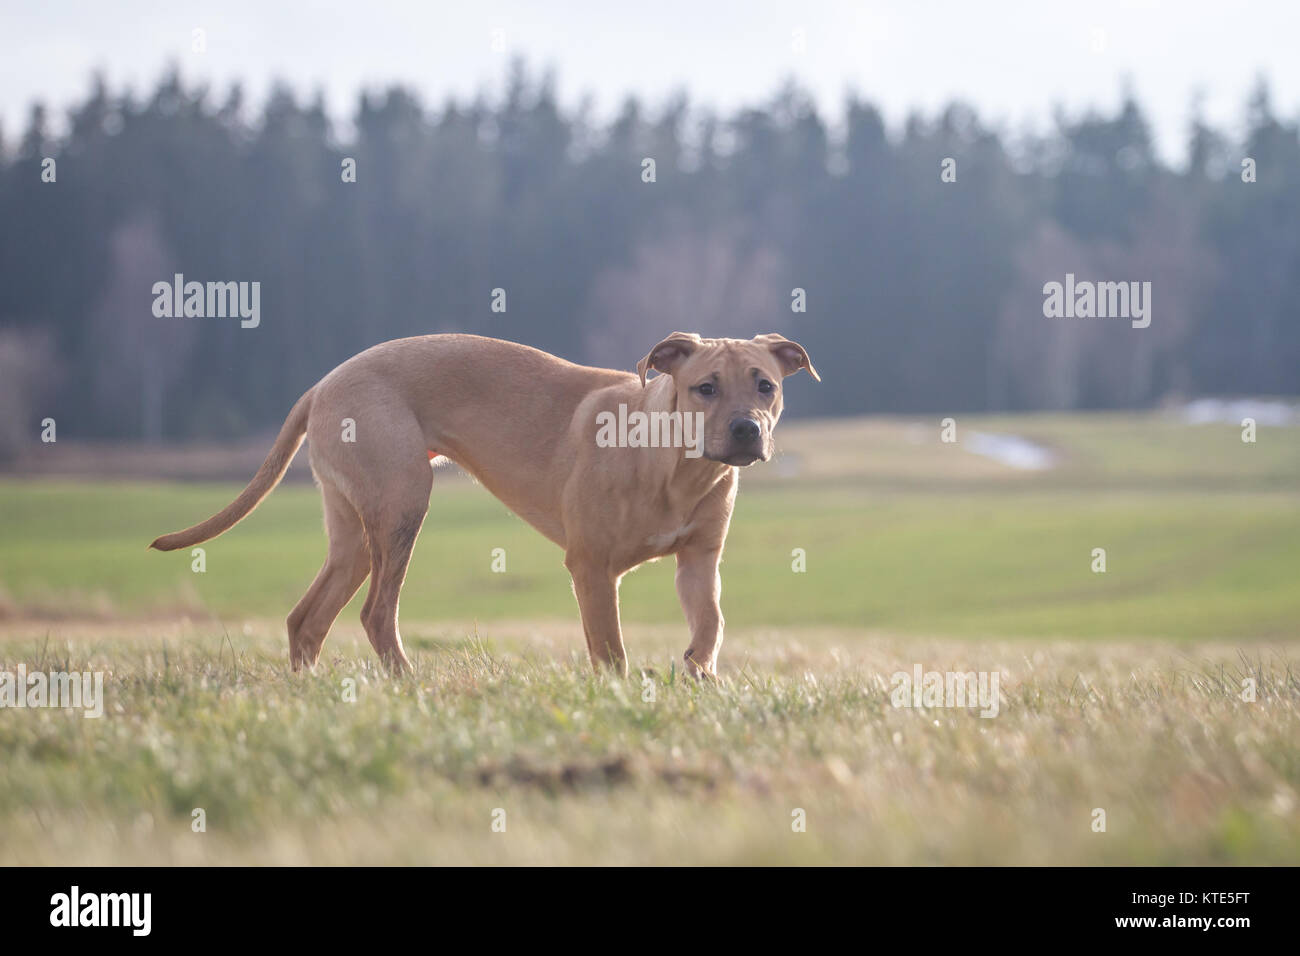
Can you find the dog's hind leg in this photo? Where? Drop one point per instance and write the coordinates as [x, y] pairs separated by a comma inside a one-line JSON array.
[[346, 566], [392, 533]]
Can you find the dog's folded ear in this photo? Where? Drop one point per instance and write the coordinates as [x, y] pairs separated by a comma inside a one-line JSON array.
[[668, 354], [791, 355]]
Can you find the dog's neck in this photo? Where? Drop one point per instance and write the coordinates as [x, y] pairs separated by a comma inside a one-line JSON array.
[[693, 478], [684, 479]]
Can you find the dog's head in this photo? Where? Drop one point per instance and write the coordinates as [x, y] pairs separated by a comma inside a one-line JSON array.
[[734, 383]]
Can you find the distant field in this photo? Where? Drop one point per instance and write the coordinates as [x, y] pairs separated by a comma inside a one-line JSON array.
[[1121, 691], [901, 532]]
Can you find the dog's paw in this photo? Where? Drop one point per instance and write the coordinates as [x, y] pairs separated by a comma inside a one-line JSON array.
[[698, 668]]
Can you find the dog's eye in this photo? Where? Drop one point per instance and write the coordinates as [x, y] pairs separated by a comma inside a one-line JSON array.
[[765, 386], [706, 389]]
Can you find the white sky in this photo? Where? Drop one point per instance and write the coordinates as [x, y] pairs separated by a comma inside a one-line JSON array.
[[1014, 61]]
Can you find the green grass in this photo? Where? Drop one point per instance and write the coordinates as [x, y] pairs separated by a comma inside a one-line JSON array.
[[591, 771], [1121, 691]]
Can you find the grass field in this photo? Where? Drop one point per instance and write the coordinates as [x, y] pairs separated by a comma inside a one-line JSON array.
[[1120, 691]]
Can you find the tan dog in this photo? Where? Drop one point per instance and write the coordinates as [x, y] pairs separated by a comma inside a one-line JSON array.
[[535, 431]]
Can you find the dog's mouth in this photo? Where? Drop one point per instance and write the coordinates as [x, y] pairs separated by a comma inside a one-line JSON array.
[[740, 459]]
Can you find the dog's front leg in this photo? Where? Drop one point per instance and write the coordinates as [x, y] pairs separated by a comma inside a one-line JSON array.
[[699, 588], [597, 591]]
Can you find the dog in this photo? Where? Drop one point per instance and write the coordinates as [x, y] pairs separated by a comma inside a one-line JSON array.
[[534, 430]]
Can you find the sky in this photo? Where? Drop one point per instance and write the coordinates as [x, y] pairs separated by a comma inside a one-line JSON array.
[[1015, 62]]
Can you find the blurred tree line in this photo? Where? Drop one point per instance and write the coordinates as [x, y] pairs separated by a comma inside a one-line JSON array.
[[921, 295]]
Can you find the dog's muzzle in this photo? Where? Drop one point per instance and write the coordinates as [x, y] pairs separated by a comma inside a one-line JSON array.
[[746, 442]]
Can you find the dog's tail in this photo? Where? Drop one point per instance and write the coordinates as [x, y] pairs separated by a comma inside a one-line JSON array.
[[268, 476]]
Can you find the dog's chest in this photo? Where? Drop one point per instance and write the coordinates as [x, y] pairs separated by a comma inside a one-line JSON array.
[[663, 542]]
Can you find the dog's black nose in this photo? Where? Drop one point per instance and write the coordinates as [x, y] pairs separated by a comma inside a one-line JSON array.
[[745, 430]]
